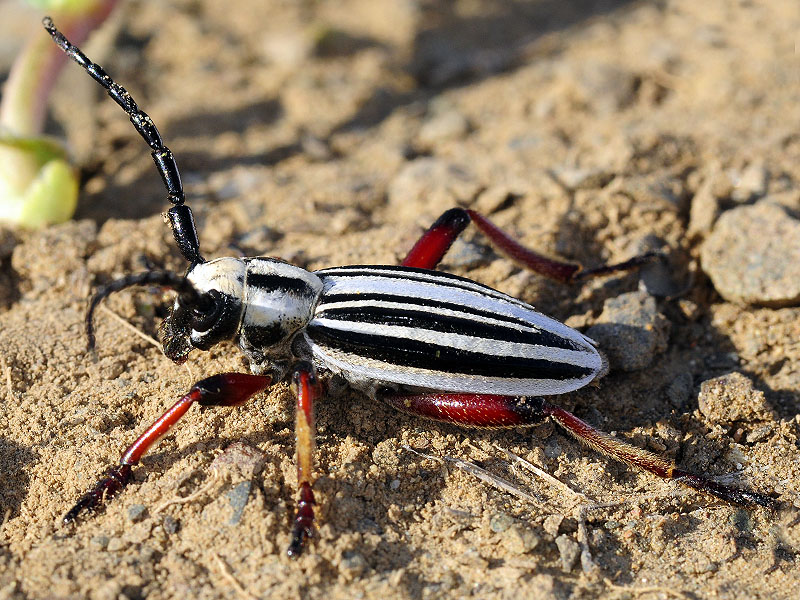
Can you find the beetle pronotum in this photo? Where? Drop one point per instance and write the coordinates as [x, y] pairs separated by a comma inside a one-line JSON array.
[[426, 342]]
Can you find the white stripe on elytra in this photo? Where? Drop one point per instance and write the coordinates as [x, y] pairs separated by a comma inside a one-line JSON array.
[[489, 347], [476, 297], [434, 310]]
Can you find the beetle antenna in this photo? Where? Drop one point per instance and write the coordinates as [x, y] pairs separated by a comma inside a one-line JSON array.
[[186, 292], [179, 215]]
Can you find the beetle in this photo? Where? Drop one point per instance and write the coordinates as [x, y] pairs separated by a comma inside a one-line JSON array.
[[426, 342]]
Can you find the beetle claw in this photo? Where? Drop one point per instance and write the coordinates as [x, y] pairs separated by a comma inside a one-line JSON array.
[[108, 487]]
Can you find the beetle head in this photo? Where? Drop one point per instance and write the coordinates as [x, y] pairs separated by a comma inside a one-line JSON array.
[[207, 310], [209, 317]]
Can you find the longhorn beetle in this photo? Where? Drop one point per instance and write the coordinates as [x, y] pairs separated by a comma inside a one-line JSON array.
[[426, 342]]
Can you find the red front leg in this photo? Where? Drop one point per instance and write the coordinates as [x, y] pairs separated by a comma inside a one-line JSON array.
[[224, 389], [478, 410], [434, 244]]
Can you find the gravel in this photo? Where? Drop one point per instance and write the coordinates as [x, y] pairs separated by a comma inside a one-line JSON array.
[[631, 331], [753, 256]]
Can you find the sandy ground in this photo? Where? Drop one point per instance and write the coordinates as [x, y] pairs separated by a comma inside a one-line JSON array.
[[334, 132]]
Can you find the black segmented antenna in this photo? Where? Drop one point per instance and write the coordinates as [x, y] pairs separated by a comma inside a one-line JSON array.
[[186, 292], [180, 215]]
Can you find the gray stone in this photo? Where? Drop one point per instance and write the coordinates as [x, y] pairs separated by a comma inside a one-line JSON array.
[[631, 331], [352, 564], [238, 497], [753, 256], [171, 525], [680, 389], [137, 512], [500, 522], [569, 551]]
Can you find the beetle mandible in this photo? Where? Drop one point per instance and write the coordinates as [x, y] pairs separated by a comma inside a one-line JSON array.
[[426, 342]]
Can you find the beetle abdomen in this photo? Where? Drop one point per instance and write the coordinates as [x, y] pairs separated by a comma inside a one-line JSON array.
[[438, 331]]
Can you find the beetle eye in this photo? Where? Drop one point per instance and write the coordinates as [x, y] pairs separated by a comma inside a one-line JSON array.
[[207, 310]]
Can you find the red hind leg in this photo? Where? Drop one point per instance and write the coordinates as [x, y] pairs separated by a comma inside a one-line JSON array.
[[434, 244], [478, 410], [224, 389]]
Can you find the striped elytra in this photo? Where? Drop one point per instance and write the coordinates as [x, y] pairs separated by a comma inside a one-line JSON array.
[[438, 331]]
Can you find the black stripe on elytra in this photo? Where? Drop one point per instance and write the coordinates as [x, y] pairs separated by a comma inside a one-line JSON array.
[[432, 357], [400, 273], [399, 300], [431, 321], [267, 281]]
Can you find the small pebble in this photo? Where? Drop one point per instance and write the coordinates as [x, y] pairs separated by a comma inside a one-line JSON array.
[[552, 449], [751, 183], [241, 460], [704, 210], [574, 178], [631, 331], [680, 389], [352, 564], [100, 541], [733, 398], [519, 539], [569, 551], [468, 255], [552, 523], [753, 256], [137, 512], [604, 87], [171, 525], [138, 533], [367, 525], [116, 545], [759, 433], [500, 522], [238, 498]]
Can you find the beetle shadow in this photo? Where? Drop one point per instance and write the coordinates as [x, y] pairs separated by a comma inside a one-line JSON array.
[[353, 513], [13, 459]]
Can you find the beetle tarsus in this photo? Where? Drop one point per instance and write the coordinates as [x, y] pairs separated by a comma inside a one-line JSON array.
[[303, 527], [105, 489], [724, 492]]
